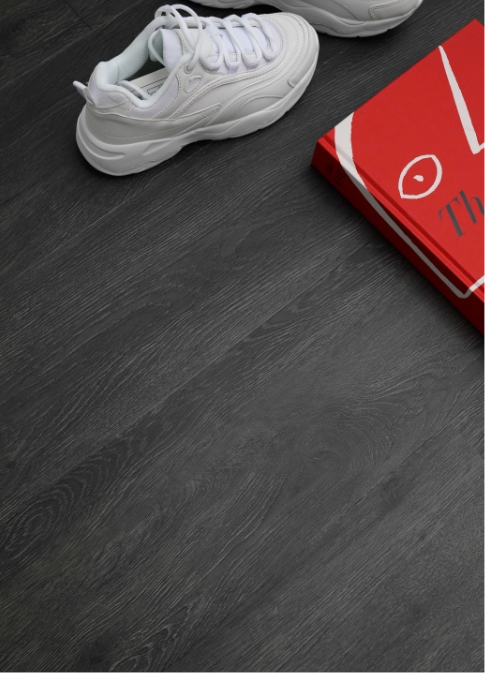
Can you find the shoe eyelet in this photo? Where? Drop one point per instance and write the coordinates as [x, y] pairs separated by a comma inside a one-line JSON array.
[[187, 70]]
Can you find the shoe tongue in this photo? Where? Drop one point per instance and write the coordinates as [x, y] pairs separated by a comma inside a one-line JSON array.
[[170, 45]]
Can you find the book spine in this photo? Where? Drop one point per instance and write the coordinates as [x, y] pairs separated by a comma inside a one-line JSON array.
[[326, 161]]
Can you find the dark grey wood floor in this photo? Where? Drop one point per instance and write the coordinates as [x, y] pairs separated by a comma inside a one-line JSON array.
[[238, 430]]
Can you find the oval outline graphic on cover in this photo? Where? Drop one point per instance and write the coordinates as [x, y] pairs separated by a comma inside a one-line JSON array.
[[404, 172]]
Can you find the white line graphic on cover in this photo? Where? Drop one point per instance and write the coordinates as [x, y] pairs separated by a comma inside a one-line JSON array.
[[419, 178], [461, 106], [343, 146]]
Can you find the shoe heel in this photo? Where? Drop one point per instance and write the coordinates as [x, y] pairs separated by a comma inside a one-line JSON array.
[[122, 159]]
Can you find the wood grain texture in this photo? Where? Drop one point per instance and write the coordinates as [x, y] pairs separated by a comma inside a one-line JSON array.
[[238, 431], [31, 31]]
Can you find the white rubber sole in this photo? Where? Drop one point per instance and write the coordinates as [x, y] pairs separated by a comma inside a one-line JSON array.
[[320, 19], [135, 157]]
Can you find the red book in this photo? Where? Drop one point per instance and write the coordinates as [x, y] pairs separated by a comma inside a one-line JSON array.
[[411, 160]]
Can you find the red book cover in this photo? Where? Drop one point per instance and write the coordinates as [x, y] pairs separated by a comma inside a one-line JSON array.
[[411, 160]]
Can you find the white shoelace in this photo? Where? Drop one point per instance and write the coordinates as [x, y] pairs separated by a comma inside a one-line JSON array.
[[212, 26]]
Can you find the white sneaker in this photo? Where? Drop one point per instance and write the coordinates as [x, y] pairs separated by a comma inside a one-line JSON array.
[[341, 18], [191, 78]]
